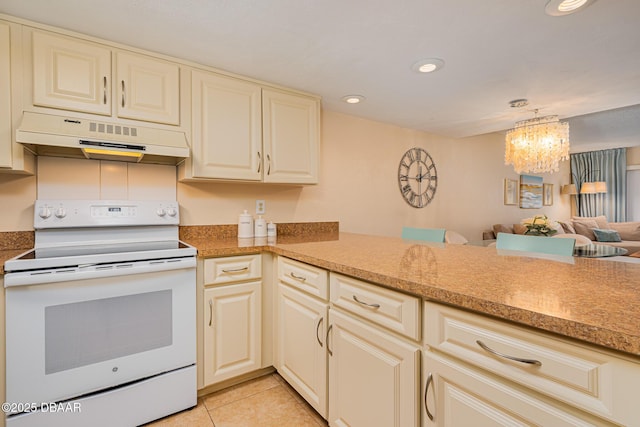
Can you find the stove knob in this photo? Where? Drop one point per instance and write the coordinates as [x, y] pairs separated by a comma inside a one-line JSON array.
[[61, 213], [172, 212], [44, 213], [160, 212]]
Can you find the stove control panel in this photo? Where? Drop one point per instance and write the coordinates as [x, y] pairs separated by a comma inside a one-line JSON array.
[[104, 213]]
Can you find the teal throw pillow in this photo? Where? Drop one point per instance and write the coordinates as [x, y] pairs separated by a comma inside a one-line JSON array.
[[606, 235]]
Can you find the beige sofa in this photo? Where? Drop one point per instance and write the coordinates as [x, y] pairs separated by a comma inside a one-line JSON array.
[[629, 232]]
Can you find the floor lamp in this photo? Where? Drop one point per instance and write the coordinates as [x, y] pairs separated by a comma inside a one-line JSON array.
[[597, 187]]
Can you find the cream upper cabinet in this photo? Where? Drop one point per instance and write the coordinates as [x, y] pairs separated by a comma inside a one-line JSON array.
[[5, 101], [148, 89], [71, 74], [75, 74], [13, 156], [244, 131], [226, 128], [290, 137]]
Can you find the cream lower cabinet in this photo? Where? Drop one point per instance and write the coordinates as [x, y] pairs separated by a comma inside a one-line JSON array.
[[302, 319], [373, 376], [374, 362], [457, 395], [485, 372], [302, 355], [232, 337], [231, 318]]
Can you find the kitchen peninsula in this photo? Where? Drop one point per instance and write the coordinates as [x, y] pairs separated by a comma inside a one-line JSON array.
[[397, 322]]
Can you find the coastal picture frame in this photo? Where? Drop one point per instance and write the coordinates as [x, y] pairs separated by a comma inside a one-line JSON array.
[[547, 194], [530, 192], [510, 191]]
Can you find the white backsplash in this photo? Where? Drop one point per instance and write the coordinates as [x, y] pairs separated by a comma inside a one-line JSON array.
[[65, 178]]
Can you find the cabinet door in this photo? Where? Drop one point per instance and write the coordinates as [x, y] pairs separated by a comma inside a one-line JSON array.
[[302, 356], [226, 128], [147, 89], [456, 395], [71, 74], [232, 331], [373, 376], [5, 100], [291, 137]]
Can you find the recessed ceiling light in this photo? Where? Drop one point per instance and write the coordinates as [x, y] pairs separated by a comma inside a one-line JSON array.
[[428, 65], [519, 103], [353, 99], [565, 7]]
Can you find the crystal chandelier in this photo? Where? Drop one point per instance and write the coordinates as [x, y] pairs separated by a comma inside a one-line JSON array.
[[537, 145]]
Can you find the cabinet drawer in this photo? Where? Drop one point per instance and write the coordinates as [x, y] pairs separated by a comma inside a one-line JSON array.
[[393, 310], [583, 376], [312, 280], [232, 269]]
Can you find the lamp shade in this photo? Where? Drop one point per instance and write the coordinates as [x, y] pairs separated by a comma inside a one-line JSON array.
[[601, 186], [588, 188], [569, 189]]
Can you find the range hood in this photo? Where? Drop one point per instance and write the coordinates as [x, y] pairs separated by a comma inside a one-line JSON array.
[[50, 135]]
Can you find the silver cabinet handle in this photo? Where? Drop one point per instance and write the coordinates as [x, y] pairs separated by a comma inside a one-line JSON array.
[[327, 340], [210, 312], [269, 164], [300, 278], [235, 270], [355, 298], [506, 356], [318, 329], [104, 90], [259, 162], [426, 391], [123, 94]]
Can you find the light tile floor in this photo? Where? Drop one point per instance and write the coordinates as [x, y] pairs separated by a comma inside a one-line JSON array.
[[267, 401]]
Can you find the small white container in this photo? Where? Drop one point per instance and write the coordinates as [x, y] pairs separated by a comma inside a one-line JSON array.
[[260, 227], [271, 229], [245, 225]]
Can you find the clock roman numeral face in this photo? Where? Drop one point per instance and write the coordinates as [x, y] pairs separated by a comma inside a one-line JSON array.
[[417, 177]]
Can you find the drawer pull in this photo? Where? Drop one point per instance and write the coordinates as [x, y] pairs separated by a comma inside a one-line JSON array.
[[300, 278], [505, 356], [235, 270], [210, 312], [355, 298], [426, 391], [318, 329], [259, 162], [327, 340]]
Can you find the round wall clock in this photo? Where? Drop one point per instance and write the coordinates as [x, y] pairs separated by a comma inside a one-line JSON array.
[[417, 177]]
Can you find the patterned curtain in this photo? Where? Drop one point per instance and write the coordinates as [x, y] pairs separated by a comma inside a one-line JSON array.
[[609, 166]]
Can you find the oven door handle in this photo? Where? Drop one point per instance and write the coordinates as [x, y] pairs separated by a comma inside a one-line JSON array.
[[93, 271]]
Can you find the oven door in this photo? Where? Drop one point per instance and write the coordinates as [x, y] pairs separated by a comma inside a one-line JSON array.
[[71, 338]]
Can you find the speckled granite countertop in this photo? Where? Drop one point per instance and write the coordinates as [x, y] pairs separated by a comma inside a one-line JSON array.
[[587, 299]]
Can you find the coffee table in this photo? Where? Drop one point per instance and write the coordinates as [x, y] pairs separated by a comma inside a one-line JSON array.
[[598, 251]]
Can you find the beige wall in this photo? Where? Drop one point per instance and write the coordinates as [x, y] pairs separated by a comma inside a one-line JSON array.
[[358, 185]]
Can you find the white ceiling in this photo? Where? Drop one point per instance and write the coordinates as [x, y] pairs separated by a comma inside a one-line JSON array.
[[494, 51]]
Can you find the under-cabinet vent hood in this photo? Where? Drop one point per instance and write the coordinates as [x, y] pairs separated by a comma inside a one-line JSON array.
[[49, 135]]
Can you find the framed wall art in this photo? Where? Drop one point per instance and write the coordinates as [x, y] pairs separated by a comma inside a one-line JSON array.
[[510, 191], [530, 192], [547, 194]]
